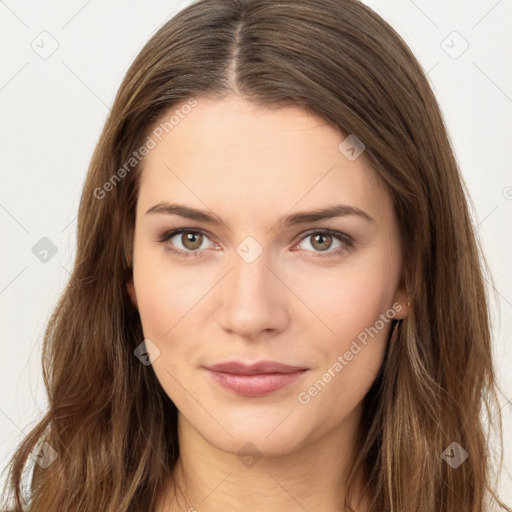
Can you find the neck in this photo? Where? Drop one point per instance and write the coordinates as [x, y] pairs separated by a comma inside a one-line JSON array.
[[312, 477]]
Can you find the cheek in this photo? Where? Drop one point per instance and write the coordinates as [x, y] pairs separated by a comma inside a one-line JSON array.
[[166, 299], [356, 305], [347, 300], [165, 295], [351, 359]]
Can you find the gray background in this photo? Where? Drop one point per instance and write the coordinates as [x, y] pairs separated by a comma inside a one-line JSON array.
[[53, 106]]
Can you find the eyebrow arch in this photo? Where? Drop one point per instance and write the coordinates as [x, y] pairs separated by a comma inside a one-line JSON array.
[[187, 212]]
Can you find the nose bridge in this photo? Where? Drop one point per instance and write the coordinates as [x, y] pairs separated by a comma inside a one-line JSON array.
[[250, 278], [250, 301]]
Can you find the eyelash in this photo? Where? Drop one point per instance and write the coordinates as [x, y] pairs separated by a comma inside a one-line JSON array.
[[342, 237]]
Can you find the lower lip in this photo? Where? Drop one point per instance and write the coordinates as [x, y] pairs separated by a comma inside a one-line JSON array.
[[255, 385]]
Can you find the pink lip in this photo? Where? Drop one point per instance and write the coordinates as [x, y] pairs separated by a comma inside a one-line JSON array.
[[254, 379]]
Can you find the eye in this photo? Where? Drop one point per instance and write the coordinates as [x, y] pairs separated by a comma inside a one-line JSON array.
[[322, 241], [190, 240]]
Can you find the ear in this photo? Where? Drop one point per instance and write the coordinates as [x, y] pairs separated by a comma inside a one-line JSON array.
[[131, 291], [402, 301], [403, 305]]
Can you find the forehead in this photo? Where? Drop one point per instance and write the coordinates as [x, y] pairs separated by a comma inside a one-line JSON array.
[[251, 160]]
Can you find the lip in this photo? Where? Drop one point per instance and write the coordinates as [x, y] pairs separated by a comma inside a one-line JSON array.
[[255, 379], [241, 368]]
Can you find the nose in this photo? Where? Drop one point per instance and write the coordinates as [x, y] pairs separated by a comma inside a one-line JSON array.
[[253, 299]]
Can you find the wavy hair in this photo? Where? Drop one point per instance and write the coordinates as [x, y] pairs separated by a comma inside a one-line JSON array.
[[108, 418]]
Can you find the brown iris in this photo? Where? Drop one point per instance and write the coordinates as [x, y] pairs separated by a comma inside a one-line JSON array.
[[193, 238], [322, 245]]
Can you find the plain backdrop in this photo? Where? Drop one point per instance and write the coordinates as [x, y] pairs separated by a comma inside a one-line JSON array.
[[61, 65]]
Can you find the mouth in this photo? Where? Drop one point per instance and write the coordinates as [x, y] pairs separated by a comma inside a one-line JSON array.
[[255, 379]]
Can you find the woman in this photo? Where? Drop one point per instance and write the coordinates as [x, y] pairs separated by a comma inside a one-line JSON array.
[[278, 298]]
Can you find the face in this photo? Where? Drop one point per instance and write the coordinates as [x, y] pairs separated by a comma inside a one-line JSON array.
[[258, 282]]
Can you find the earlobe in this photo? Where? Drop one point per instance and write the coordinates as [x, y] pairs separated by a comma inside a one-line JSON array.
[[131, 291], [404, 312]]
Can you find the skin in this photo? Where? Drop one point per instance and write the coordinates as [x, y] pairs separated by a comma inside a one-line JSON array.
[[250, 166]]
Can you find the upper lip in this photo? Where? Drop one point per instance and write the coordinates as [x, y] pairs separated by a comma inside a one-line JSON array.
[[260, 367]]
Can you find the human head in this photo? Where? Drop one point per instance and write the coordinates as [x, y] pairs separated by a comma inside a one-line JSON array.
[[252, 288], [340, 62]]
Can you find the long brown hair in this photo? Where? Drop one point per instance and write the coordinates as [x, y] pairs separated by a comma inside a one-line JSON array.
[[109, 419]]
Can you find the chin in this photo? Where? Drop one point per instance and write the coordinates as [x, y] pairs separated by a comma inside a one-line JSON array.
[[265, 434], [255, 444]]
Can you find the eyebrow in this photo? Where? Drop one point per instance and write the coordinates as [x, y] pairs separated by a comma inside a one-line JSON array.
[[339, 210]]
